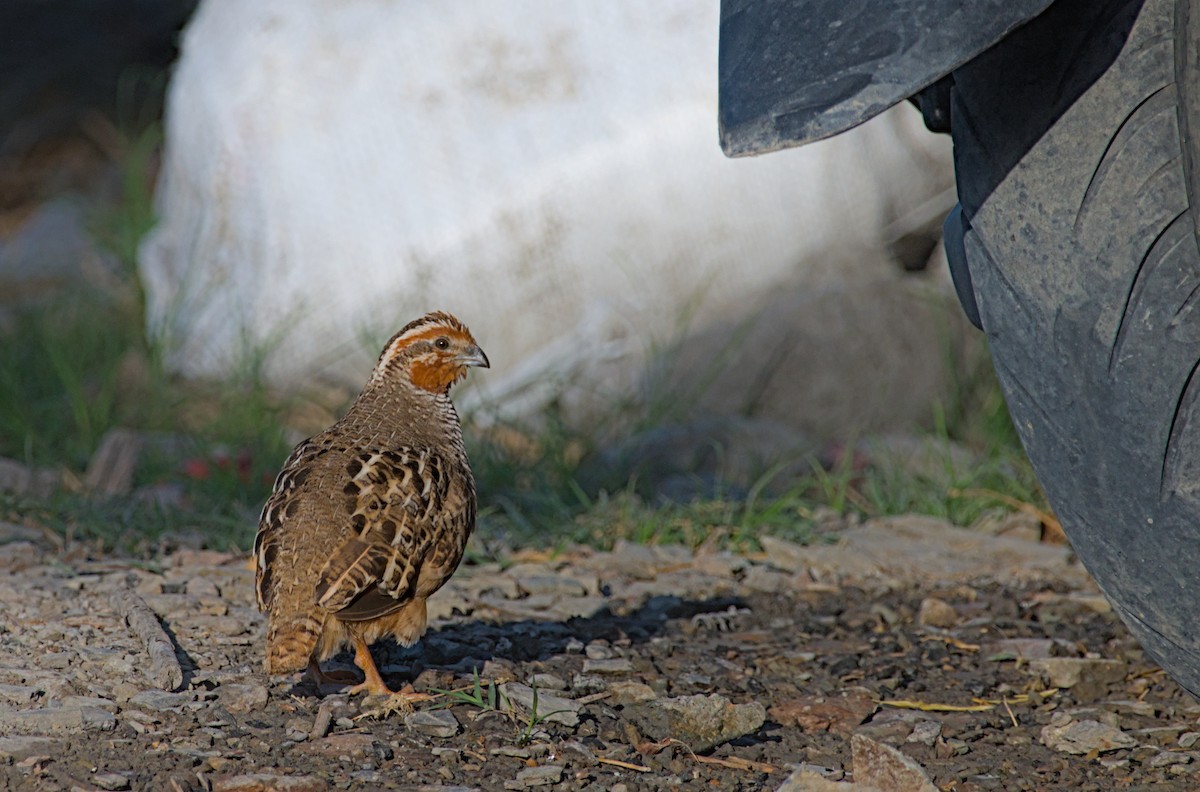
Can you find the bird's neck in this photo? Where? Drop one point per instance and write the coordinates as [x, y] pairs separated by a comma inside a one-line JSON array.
[[399, 413]]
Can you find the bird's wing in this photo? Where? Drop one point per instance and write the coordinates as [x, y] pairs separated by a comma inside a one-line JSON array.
[[282, 504], [398, 500]]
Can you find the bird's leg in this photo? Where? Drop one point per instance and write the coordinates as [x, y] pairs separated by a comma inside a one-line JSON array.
[[374, 684], [338, 677]]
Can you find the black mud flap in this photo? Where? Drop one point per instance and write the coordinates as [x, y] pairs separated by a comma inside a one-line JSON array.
[[794, 71]]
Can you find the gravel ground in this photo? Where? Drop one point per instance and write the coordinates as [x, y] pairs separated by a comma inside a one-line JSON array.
[[907, 655]]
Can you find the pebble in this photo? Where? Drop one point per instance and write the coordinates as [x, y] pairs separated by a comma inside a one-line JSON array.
[[556, 585], [880, 765], [587, 684], [111, 781], [805, 780], [935, 612], [925, 732], [435, 723], [201, 587], [548, 682], [767, 581], [598, 650], [18, 694], [336, 746], [616, 665], [42, 720], [16, 748], [545, 775], [162, 701], [1085, 736], [579, 753], [701, 722], [785, 555], [550, 707], [1167, 758], [243, 697], [1189, 739], [635, 560], [630, 693], [1067, 672], [323, 721], [269, 782], [79, 702]]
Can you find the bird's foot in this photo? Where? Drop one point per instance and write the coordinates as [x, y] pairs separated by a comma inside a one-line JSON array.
[[387, 701]]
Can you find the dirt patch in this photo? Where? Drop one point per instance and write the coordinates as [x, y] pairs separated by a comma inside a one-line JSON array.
[[655, 668]]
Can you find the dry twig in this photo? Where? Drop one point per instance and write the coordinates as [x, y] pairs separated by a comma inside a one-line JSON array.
[[143, 622]]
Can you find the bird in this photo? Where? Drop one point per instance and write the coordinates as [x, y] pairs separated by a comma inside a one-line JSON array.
[[370, 517]]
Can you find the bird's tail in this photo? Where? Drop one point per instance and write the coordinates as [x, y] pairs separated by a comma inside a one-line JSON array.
[[290, 642]]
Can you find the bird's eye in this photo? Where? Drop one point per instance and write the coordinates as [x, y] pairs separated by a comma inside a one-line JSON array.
[[442, 343]]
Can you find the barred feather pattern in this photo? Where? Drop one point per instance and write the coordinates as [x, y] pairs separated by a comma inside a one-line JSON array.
[[370, 517]]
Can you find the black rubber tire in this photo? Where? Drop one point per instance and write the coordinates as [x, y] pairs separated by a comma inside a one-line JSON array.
[[1075, 150]]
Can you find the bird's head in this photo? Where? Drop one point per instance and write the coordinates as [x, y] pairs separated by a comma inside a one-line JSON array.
[[433, 352]]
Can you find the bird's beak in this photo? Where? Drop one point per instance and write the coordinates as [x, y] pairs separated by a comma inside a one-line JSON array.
[[474, 357]]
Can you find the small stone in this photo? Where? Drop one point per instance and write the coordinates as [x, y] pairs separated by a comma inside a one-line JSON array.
[[551, 584], [113, 781], [616, 665], [578, 753], [1167, 758], [723, 564], [768, 581], [201, 587], [243, 697], [322, 722], [574, 646], [41, 721], [598, 650], [1067, 672], [550, 707], [841, 714], [548, 682], [515, 751], [1133, 707], [702, 722], [937, 613], [336, 746], [435, 723], [635, 560], [925, 732], [1189, 739], [804, 780], [79, 702], [161, 701], [17, 748], [18, 694], [1083, 737], [268, 782], [545, 775], [881, 765], [785, 555], [630, 693], [1022, 648]]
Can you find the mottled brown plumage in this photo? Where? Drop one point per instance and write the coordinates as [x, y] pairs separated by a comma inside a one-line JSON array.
[[370, 517]]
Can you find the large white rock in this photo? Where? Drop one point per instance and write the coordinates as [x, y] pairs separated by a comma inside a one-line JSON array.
[[547, 170]]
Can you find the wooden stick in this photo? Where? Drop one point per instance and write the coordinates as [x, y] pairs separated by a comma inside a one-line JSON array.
[[142, 621], [626, 765]]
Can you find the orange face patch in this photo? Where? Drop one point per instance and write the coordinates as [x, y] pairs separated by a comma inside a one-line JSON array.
[[435, 372]]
